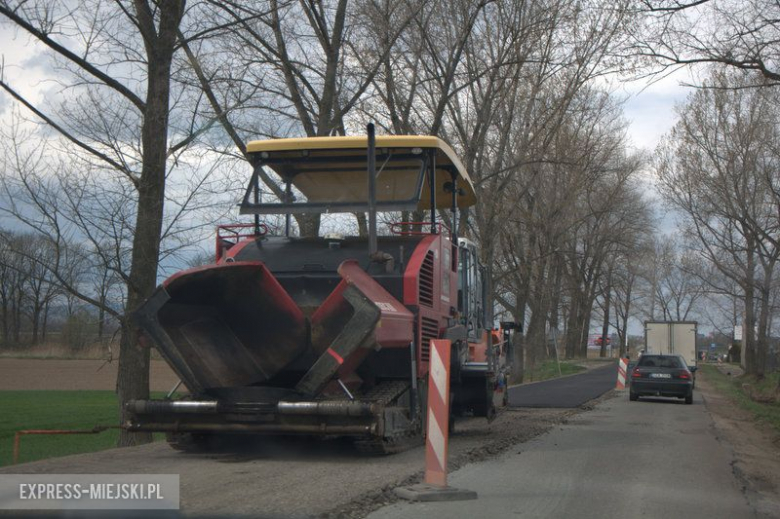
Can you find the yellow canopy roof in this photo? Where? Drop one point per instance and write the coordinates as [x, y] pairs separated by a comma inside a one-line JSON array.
[[314, 168]]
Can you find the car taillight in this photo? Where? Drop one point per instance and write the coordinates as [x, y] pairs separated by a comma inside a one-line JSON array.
[[685, 375], [636, 373]]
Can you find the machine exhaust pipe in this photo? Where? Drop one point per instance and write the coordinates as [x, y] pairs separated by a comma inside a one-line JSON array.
[[177, 406], [327, 408], [316, 429], [323, 408]]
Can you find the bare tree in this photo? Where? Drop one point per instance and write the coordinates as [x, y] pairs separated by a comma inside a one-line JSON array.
[[291, 68], [740, 34], [626, 297], [719, 168], [678, 280], [95, 44]]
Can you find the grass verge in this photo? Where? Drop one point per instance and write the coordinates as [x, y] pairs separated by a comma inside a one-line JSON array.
[[549, 369], [56, 410], [739, 389]]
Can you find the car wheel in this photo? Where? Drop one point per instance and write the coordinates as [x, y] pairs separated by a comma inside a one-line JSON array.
[[633, 396], [689, 399]]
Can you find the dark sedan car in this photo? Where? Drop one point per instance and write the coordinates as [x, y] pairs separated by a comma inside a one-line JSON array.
[[661, 375]]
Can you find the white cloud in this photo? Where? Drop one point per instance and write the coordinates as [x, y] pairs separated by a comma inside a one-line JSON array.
[[650, 106], [23, 62]]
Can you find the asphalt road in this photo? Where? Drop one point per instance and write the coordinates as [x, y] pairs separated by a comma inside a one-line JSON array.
[[566, 392], [656, 458]]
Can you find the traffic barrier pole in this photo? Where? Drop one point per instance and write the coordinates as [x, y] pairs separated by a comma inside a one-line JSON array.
[[438, 414], [434, 487], [622, 368]]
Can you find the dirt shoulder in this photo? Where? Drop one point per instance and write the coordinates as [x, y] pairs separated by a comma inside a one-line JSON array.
[[755, 448]]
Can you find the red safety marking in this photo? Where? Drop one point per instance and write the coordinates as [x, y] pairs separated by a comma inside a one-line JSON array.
[[336, 356], [438, 414], [621, 381]]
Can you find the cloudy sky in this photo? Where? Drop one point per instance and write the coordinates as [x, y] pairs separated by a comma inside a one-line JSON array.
[[650, 106]]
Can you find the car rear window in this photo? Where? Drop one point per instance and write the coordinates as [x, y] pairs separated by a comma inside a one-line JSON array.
[[660, 361]]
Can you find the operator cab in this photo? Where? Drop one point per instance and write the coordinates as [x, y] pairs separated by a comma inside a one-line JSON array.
[[471, 289]]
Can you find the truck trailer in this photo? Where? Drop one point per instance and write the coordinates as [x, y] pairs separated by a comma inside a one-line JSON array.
[[330, 335], [672, 337]]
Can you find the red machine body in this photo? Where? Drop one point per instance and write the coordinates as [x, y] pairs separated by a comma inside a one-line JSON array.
[[312, 335]]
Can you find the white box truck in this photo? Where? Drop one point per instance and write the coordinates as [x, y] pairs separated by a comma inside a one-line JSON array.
[[672, 337]]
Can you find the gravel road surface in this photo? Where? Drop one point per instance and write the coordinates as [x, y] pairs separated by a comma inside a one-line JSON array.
[[304, 478], [571, 391], [300, 477], [656, 458]]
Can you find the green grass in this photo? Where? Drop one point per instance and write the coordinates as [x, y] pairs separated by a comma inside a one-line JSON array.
[[768, 413], [549, 369], [56, 410]]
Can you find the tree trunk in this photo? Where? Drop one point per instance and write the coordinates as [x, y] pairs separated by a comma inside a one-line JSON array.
[[763, 320], [538, 306], [133, 376], [101, 320], [5, 311], [624, 333], [36, 321], [761, 341], [518, 347], [605, 324], [555, 301], [584, 322], [749, 325], [17, 318], [309, 225], [362, 222], [45, 321], [573, 332], [405, 215]]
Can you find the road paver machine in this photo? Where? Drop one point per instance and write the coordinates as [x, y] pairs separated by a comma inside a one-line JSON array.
[[330, 335]]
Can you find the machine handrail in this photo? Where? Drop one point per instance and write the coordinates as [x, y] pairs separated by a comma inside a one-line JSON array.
[[394, 225], [233, 234]]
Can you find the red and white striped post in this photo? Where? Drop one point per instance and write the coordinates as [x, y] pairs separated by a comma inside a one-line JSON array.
[[435, 488], [622, 368], [438, 414]]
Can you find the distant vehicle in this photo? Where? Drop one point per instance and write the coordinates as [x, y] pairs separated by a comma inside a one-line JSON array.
[[661, 375], [667, 337]]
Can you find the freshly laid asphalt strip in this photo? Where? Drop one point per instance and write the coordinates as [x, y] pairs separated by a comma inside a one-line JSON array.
[[571, 391]]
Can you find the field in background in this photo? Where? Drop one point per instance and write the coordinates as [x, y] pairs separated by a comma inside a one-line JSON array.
[[57, 410], [52, 349], [85, 374], [63, 394]]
